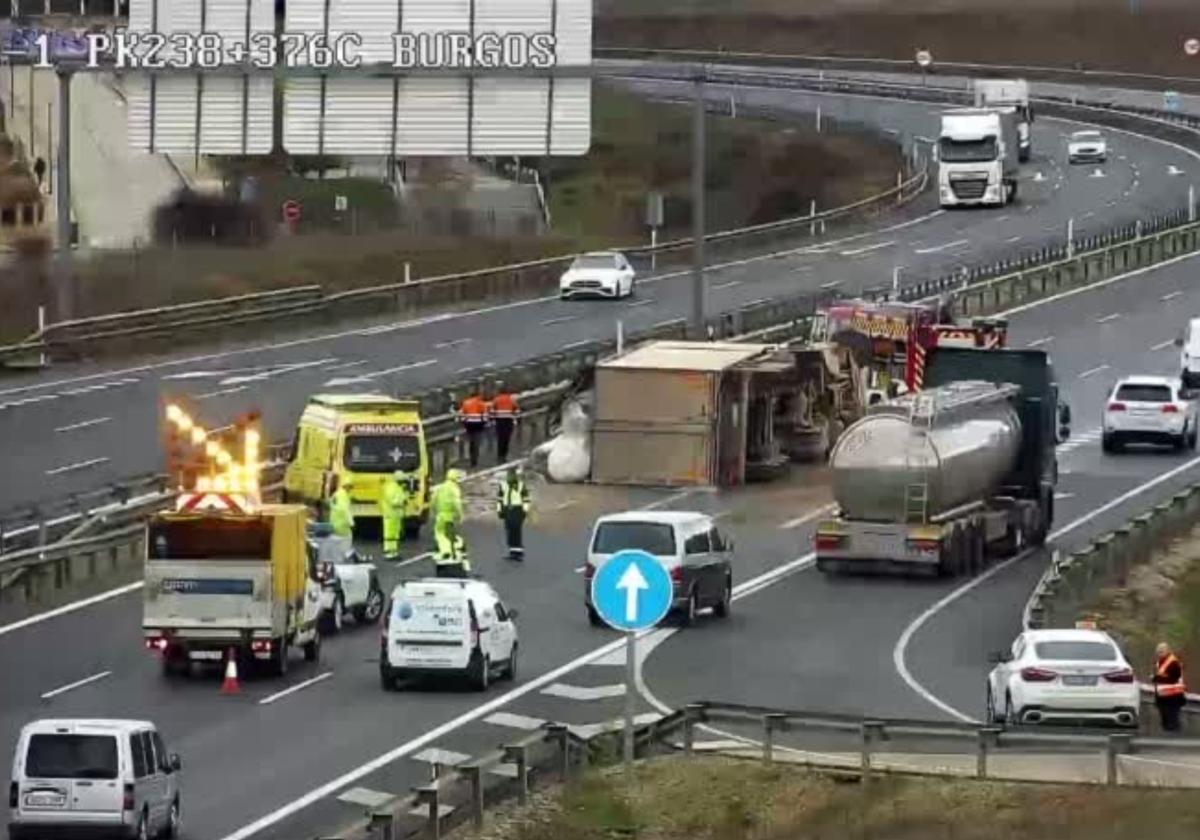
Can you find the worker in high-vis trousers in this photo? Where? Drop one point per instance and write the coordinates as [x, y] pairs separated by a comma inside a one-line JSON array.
[[447, 504], [1170, 692], [473, 414], [512, 506], [505, 412], [393, 502], [341, 512]]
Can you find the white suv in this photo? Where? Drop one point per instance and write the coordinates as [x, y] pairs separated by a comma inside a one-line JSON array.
[[93, 778], [1148, 409]]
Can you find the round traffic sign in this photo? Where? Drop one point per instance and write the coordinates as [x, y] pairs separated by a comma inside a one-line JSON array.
[[1192, 46], [291, 210], [924, 58], [632, 591]]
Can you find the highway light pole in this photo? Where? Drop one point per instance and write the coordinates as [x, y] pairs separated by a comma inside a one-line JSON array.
[[62, 201], [698, 203]]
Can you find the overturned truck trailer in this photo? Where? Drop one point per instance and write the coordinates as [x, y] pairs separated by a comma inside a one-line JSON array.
[[678, 413]]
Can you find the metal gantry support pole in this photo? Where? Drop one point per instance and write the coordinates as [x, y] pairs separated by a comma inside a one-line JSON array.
[[63, 196], [699, 157]]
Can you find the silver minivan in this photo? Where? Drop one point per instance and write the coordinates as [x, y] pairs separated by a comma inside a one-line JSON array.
[[93, 778], [690, 547]]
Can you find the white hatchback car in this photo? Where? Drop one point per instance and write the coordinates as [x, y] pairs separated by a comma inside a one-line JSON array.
[[1148, 409], [1063, 675], [604, 274], [1087, 147], [447, 627]]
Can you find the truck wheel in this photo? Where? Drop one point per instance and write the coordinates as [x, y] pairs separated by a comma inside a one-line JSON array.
[[312, 650], [480, 672], [388, 679]]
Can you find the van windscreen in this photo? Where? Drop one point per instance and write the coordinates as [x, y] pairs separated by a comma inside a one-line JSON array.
[[651, 537], [63, 756], [434, 617], [382, 453]]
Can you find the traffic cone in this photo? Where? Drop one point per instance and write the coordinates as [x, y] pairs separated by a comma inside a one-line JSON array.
[[230, 685]]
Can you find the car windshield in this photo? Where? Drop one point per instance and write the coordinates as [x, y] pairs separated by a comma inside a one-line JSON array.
[[652, 537], [968, 151], [1144, 393], [382, 453], [1086, 136], [594, 261], [1076, 651], [62, 756]]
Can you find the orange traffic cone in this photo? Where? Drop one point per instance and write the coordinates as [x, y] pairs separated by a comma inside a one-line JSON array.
[[230, 685]]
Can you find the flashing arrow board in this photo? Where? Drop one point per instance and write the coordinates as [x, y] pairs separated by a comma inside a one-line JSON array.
[[632, 591]]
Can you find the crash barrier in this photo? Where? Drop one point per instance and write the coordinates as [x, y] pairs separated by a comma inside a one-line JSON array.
[[310, 305], [848, 744]]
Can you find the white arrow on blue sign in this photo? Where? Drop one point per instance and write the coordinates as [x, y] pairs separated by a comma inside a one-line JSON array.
[[632, 591]]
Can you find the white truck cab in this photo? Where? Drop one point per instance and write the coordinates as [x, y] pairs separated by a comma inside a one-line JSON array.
[[447, 627], [977, 155], [93, 778]]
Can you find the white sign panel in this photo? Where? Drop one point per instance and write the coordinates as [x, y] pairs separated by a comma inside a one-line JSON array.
[[447, 115], [182, 112]]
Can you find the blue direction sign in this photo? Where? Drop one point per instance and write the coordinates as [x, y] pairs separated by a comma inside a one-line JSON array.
[[632, 591]]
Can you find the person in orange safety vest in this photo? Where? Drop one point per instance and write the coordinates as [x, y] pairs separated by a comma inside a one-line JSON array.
[[1170, 693], [473, 414]]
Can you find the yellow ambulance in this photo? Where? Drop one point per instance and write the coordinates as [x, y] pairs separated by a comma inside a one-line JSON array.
[[361, 438]]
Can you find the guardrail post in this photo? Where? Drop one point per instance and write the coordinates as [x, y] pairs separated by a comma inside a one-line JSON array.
[[1117, 745], [382, 821], [989, 738], [428, 795], [518, 754], [770, 723], [692, 713], [474, 774], [872, 731], [558, 732]]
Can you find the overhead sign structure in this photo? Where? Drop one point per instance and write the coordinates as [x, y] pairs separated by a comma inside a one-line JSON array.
[[462, 111], [631, 592], [184, 112]]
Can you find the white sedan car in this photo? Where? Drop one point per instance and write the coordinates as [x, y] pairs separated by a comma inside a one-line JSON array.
[[601, 274], [1148, 409], [1087, 147], [1073, 676]]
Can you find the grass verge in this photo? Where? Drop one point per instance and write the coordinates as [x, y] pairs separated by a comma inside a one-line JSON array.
[[726, 799]]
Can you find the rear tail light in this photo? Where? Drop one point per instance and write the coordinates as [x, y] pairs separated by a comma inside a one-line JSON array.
[[1038, 675], [1170, 408], [261, 646], [1125, 675], [589, 571], [924, 544], [12, 795], [827, 542], [677, 574], [127, 802], [159, 644], [1116, 406]]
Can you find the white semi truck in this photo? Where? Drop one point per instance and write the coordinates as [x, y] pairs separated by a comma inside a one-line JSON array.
[[977, 155], [1009, 93]]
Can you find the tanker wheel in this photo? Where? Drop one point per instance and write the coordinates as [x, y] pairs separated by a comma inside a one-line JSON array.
[[978, 549]]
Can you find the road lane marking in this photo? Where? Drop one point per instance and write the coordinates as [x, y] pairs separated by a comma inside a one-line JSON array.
[[366, 797], [300, 686], [1163, 345], [83, 424], [549, 322], [831, 284], [222, 392], [441, 345], [77, 684], [446, 758], [1170, 296], [1012, 239], [579, 343], [74, 606], [1058, 497], [345, 365], [1114, 316], [899, 653], [1039, 342], [809, 517], [1093, 371], [584, 693], [938, 248], [368, 377], [515, 721], [727, 285], [866, 249], [81, 465], [641, 302]]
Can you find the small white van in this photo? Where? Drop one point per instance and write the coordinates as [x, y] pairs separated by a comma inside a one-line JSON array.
[[1189, 354], [690, 547], [93, 778], [447, 627]]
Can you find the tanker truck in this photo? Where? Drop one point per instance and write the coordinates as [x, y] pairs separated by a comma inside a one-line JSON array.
[[946, 479]]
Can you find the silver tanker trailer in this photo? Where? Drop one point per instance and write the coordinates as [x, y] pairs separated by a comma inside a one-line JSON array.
[[947, 478]]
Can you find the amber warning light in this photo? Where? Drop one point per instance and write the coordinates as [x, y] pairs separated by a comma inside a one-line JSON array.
[[199, 462]]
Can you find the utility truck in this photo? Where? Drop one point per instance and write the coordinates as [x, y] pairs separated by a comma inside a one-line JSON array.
[[1005, 93], [943, 479], [977, 155]]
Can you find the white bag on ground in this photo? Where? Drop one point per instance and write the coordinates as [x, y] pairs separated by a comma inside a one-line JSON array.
[[569, 458]]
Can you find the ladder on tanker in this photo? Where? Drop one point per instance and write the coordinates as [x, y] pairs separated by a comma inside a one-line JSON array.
[[921, 416]]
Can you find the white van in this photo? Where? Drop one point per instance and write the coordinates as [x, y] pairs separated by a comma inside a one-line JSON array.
[[447, 627], [93, 778], [690, 547], [1189, 354]]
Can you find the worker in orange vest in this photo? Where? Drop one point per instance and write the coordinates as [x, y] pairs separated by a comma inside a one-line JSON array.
[[505, 412], [1170, 693], [473, 414]]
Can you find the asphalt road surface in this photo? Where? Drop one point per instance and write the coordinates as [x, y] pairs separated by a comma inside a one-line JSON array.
[[79, 427]]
